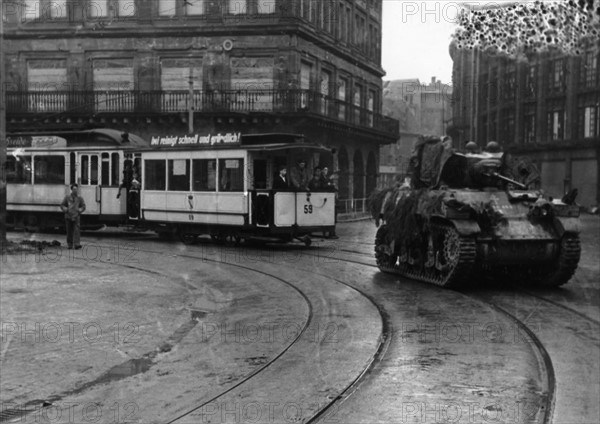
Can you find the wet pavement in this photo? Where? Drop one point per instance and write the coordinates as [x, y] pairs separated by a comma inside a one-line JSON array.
[[132, 329]]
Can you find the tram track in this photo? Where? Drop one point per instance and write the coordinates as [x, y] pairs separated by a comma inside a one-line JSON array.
[[577, 324], [543, 356], [545, 366], [544, 361], [384, 342], [380, 348]]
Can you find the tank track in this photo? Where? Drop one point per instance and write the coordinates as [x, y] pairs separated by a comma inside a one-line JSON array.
[[462, 253], [567, 261]]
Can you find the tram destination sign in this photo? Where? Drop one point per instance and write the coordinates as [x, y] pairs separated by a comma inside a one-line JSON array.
[[50, 141], [195, 140]]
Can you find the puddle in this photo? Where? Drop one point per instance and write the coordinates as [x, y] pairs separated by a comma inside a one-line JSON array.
[[124, 370], [118, 372]]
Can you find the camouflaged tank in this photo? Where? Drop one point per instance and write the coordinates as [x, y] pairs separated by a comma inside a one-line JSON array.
[[460, 219]]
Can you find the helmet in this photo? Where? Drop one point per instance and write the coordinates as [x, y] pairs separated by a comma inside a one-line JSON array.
[[492, 147], [471, 147]]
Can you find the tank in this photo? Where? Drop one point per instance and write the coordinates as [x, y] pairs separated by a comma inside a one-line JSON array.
[[463, 218]]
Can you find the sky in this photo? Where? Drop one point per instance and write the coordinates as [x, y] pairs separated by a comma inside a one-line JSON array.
[[416, 37]]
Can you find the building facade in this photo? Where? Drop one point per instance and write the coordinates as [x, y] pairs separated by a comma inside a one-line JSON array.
[[545, 107], [174, 67], [420, 109]]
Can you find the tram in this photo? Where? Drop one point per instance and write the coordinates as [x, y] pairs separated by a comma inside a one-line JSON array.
[[193, 185], [41, 166], [219, 185]]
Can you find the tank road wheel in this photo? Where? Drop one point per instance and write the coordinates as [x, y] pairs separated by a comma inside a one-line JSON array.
[[386, 260], [454, 257], [568, 259]]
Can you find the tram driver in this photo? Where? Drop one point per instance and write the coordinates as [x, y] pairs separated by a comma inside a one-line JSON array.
[[281, 181]]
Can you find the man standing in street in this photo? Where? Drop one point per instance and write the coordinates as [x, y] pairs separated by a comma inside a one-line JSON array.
[[73, 206]]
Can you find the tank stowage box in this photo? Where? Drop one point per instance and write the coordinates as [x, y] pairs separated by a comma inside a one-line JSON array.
[[462, 218]]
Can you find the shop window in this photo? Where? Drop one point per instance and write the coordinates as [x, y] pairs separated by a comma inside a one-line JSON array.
[[179, 175], [155, 175], [49, 170]]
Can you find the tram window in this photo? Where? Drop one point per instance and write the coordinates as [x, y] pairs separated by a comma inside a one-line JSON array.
[[205, 174], [49, 170], [18, 169], [231, 174], [94, 170], [155, 175], [105, 169], [85, 164], [179, 175], [114, 166], [73, 176]]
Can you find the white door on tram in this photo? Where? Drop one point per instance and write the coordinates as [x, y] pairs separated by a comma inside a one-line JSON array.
[[89, 181], [99, 178]]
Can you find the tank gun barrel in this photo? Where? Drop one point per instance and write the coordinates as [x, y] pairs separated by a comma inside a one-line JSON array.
[[509, 180]]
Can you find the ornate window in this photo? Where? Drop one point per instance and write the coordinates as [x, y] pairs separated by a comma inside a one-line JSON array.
[[588, 71], [556, 121]]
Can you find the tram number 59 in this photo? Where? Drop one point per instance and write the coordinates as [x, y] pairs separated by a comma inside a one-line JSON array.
[[308, 209]]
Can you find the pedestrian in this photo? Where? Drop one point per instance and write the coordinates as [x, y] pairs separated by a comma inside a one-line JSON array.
[[281, 181], [133, 197], [328, 184], [299, 176], [128, 173], [73, 206], [316, 183]]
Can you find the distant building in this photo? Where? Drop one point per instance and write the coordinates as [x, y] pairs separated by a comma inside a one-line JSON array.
[[420, 109], [546, 108], [170, 67]]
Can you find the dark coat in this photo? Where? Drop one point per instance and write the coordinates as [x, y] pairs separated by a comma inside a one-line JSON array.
[[281, 184]]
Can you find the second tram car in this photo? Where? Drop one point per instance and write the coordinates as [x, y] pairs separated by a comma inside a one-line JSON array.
[[219, 185]]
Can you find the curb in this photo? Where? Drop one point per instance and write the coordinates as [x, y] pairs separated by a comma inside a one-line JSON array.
[[353, 218]]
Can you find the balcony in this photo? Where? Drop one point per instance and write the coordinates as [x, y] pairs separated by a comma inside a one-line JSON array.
[[81, 103]]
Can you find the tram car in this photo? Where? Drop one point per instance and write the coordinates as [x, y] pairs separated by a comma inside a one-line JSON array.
[[220, 185], [41, 167]]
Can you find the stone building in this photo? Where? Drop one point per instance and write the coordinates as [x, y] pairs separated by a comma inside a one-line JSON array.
[[420, 109], [171, 67], [545, 107]]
